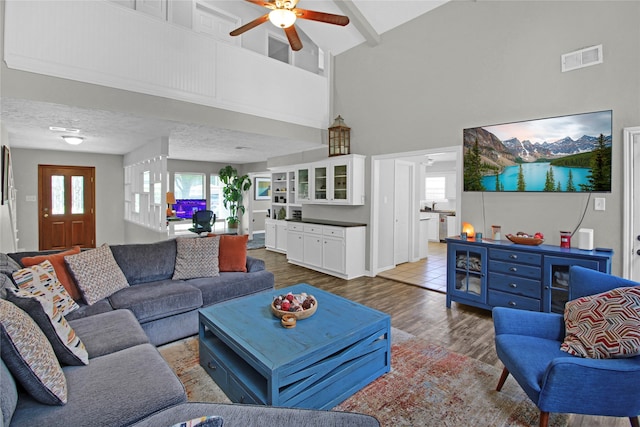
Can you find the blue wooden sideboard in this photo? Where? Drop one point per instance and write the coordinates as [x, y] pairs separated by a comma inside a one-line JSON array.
[[499, 273]]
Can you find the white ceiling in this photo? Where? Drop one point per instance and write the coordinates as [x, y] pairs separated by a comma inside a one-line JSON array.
[[111, 132]]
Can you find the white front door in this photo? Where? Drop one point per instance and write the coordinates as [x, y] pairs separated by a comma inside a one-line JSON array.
[[402, 211], [631, 222]]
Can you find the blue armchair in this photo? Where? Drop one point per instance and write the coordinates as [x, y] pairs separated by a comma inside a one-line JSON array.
[[528, 344]]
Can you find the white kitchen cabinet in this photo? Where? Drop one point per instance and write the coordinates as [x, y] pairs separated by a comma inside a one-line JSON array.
[[334, 250], [303, 184], [281, 236], [433, 231], [275, 235], [336, 181], [295, 243], [313, 245], [270, 234]]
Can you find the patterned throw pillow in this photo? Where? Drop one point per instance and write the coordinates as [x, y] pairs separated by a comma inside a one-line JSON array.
[[29, 356], [97, 273], [210, 421], [41, 280], [196, 257], [66, 344], [57, 260], [605, 325]]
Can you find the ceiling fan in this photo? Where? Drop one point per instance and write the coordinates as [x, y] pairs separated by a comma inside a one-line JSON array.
[[284, 14]]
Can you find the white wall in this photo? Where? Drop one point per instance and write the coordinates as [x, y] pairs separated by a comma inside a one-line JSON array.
[[469, 64], [7, 237], [109, 192]]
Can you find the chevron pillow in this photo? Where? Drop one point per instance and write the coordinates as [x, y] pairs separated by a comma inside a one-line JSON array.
[[605, 325]]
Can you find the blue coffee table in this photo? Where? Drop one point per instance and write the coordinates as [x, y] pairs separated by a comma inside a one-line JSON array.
[[318, 364]]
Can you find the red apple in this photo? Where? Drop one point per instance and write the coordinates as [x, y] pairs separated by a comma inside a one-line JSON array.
[[539, 235], [290, 297], [285, 305]]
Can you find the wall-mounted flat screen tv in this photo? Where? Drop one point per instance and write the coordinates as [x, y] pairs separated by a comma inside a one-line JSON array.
[[562, 154], [186, 207]]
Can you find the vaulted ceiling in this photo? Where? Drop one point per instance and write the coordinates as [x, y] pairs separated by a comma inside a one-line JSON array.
[[113, 132]]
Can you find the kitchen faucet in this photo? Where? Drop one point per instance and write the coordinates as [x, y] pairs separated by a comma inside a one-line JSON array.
[[433, 206]]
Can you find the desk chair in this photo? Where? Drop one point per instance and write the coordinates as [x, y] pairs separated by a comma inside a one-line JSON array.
[[202, 221]]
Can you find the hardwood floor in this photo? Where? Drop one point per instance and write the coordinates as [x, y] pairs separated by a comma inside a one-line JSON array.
[[416, 310]]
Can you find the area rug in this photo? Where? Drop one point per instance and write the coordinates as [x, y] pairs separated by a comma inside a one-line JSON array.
[[427, 385], [256, 242]]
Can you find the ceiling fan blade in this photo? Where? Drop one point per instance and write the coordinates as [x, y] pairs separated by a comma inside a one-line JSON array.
[[250, 25], [328, 18], [294, 40], [268, 4]]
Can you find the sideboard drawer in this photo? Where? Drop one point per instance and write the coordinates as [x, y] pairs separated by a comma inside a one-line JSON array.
[[516, 269], [213, 368], [503, 299], [515, 285], [292, 226], [313, 229], [238, 394], [515, 256]]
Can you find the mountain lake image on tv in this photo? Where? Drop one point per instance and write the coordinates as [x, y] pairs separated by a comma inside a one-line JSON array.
[[562, 154]]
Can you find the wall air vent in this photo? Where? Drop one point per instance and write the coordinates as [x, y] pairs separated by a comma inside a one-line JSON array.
[[582, 58]]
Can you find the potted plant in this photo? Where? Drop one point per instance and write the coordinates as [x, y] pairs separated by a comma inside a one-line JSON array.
[[234, 186]]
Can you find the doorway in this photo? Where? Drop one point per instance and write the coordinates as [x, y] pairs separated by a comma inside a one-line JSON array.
[[631, 210], [66, 207], [403, 203]]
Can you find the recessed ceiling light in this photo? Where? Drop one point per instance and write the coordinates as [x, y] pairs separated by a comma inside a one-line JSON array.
[[73, 140], [62, 129]]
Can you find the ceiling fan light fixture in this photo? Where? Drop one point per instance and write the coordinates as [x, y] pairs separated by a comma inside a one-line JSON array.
[[73, 140], [283, 18]]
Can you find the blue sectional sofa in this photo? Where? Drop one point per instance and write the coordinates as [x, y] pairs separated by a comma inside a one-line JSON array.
[[126, 381], [167, 309]]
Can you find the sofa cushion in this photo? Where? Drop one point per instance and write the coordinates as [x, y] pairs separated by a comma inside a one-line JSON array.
[[41, 280], [206, 421], [7, 266], [116, 389], [143, 263], [8, 394], [232, 285], [97, 273], [236, 415], [196, 257], [109, 332], [57, 260], [233, 253], [66, 344], [86, 310], [155, 300], [605, 325], [29, 356]]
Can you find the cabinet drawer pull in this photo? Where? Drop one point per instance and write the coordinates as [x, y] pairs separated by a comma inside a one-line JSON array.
[[514, 269], [512, 303], [513, 256], [513, 285], [211, 366]]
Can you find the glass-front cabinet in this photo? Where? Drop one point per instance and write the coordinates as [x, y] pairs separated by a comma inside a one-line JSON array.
[[340, 179], [556, 279], [304, 189], [320, 184], [466, 271]]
